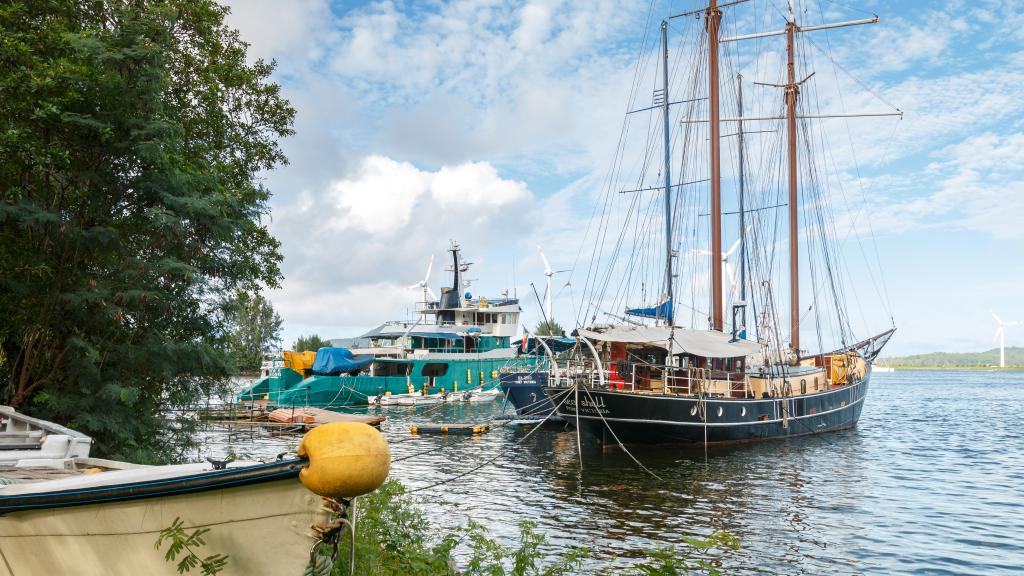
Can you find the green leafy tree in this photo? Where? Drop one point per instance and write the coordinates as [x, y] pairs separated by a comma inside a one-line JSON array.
[[311, 342], [255, 329], [548, 328], [132, 134]]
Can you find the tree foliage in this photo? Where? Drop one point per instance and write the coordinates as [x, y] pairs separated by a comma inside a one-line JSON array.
[[1014, 357], [310, 343], [254, 328], [132, 133], [548, 328]]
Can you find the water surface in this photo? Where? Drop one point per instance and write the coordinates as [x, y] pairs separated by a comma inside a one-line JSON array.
[[930, 482]]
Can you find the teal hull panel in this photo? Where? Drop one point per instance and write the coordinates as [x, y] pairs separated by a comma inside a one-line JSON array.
[[333, 391], [270, 388]]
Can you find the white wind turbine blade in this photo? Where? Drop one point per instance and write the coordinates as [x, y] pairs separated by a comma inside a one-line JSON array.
[[732, 248], [416, 285], [998, 319], [730, 271], [1011, 323], [700, 251], [431, 292], [547, 267], [998, 331], [430, 267]]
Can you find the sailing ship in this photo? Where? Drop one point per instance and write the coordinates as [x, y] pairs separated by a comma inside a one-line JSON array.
[[648, 377], [454, 351]]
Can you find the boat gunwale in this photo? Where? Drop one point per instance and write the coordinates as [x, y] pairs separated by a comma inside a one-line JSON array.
[[186, 484]]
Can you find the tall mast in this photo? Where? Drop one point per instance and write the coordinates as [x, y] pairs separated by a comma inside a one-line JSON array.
[[712, 20], [670, 320], [743, 214], [792, 92]]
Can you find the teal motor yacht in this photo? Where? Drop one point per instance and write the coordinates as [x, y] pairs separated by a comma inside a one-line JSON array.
[[456, 349]]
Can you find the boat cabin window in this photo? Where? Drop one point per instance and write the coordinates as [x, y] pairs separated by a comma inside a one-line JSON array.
[[435, 369], [392, 368]]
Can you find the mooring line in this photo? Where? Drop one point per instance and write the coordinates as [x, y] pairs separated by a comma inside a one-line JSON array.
[[500, 454], [628, 453]]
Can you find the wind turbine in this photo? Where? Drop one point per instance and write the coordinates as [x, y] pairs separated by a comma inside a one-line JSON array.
[[1001, 334], [422, 284], [727, 267], [547, 291]]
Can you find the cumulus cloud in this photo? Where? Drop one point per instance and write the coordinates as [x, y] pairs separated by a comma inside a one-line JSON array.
[[352, 248]]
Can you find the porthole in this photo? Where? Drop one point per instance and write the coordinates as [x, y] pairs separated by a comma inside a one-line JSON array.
[[693, 411], [720, 411], [743, 411]]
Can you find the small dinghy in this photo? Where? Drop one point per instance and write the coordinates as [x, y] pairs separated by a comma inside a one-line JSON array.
[[481, 395]]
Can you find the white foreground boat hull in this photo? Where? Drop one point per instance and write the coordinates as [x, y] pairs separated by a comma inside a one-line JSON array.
[[264, 528]]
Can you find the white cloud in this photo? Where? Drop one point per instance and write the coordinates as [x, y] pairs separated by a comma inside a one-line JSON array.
[[277, 29], [352, 248], [380, 198]]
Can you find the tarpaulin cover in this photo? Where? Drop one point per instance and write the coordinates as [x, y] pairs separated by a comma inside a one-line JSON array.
[[299, 361], [334, 361], [707, 343], [555, 344]]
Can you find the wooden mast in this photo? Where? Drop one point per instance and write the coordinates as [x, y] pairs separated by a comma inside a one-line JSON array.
[[713, 19], [713, 16], [792, 92]]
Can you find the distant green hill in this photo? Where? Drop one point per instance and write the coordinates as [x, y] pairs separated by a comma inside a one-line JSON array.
[[1014, 357]]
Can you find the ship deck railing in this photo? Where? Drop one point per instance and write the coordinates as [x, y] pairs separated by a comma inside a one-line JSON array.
[[660, 379]]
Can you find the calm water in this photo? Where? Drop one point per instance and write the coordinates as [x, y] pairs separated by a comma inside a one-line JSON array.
[[931, 482]]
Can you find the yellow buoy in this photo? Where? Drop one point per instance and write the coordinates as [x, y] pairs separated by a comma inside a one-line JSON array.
[[346, 459]]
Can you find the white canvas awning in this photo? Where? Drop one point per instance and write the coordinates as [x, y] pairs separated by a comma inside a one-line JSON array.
[[706, 343]]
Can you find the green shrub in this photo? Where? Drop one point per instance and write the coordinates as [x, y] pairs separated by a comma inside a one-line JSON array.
[[394, 538]]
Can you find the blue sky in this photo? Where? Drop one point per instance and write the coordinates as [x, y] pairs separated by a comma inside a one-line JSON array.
[[494, 123]]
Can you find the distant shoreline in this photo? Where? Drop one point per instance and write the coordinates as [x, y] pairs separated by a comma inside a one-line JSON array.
[[958, 368]]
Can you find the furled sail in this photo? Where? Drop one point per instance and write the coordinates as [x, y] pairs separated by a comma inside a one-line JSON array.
[[662, 310]]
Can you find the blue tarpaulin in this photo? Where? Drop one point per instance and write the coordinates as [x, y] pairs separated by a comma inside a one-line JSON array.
[[335, 361], [555, 344]]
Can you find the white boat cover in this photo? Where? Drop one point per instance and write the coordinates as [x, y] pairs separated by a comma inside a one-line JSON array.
[[114, 477], [705, 343]]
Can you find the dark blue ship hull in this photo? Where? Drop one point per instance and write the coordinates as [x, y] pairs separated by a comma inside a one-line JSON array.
[[631, 418], [525, 391]]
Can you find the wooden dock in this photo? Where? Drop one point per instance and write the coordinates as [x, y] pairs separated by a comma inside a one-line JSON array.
[[287, 419], [452, 429]]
